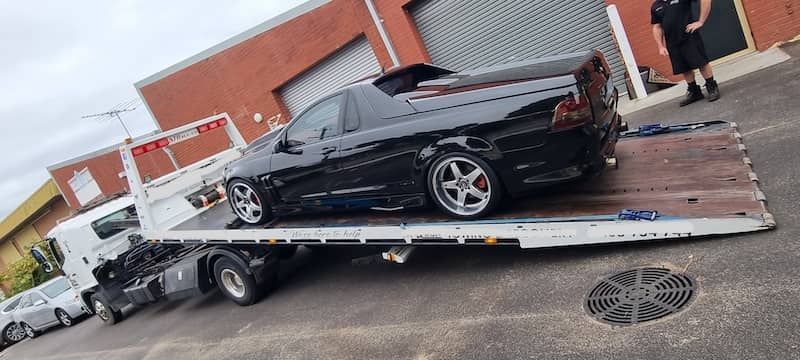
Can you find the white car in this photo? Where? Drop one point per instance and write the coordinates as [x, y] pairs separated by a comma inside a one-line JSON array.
[[12, 332], [48, 305]]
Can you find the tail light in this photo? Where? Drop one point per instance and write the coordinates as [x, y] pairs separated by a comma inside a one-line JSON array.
[[572, 112], [174, 139]]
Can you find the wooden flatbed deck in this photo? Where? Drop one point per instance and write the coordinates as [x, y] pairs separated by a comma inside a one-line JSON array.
[[699, 173]]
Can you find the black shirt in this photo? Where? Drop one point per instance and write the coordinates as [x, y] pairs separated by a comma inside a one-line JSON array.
[[674, 16]]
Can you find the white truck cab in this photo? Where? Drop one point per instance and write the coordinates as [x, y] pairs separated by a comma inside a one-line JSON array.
[[89, 238]]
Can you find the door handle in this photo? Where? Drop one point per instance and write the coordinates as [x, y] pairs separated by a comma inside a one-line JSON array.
[[327, 150]]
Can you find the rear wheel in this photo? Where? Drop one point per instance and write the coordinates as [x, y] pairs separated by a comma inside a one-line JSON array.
[[234, 281], [13, 333], [464, 186], [104, 311], [247, 202], [64, 318]]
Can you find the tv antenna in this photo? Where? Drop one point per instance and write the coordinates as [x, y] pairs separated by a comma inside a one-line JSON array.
[[114, 113]]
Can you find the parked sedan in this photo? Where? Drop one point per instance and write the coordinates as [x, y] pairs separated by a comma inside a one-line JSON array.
[[12, 332], [423, 134], [48, 305]]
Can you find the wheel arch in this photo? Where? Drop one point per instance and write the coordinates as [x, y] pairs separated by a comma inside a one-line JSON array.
[[471, 145], [229, 253]]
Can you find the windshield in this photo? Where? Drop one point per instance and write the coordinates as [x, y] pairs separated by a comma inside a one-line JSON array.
[[12, 305], [58, 287]]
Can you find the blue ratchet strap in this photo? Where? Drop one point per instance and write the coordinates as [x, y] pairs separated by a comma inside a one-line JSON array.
[[654, 129], [631, 214]]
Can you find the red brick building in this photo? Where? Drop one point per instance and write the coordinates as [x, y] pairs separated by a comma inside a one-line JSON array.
[[279, 66]]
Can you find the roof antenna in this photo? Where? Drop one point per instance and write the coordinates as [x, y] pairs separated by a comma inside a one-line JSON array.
[[114, 113]]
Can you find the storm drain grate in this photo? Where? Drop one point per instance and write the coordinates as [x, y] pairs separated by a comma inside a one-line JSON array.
[[639, 295]]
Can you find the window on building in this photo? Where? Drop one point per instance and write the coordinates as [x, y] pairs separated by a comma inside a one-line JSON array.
[[84, 187]]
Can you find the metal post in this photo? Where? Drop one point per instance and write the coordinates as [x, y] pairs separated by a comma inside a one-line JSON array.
[[627, 53], [381, 30]]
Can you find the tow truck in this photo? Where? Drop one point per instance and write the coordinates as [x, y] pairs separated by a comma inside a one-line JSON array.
[[666, 183]]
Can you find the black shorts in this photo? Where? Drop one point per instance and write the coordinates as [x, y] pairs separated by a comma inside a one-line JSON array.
[[688, 55]]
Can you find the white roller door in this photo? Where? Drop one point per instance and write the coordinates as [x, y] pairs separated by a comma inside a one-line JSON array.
[[463, 34], [354, 61]]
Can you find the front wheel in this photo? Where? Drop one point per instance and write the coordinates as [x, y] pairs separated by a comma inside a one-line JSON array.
[[464, 186], [13, 333], [249, 204], [104, 311]]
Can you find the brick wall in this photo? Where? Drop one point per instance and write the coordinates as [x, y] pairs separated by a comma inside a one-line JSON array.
[[106, 168], [245, 79], [772, 21], [403, 31], [57, 210]]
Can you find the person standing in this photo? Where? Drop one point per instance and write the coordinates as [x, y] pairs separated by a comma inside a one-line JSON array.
[[676, 33]]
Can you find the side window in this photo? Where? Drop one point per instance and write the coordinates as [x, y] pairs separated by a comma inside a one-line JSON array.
[[34, 298], [25, 302], [318, 123], [104, 228]]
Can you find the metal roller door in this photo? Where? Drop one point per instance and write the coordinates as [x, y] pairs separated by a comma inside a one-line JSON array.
[[354, 61], [463, 34]]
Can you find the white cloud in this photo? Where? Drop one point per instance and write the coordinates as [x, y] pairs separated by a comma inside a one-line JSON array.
[[62, 60]]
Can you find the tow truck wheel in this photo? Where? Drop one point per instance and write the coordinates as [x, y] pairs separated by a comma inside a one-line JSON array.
[[102, 308], [235, 282]]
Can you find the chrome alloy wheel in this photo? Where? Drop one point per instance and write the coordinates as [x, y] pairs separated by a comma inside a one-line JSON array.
[[28, 330], [64, 318], [461, 185], [246, 203], [101, 310], [233, 283], [15, 333]]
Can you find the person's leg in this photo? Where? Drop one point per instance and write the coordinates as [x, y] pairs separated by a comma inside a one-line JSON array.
[[711, 85], [707, 71]]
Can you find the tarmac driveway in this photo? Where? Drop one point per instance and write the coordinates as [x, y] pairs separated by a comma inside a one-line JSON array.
[[493, 303]]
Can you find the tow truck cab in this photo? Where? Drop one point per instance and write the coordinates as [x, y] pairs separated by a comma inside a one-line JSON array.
[[87, 240]]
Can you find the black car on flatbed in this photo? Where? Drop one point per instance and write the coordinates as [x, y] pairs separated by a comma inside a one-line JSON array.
[[422, 133]]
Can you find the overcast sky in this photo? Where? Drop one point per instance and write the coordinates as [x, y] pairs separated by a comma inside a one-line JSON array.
[[64, 59]]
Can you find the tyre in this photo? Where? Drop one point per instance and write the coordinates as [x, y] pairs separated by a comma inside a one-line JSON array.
[[249, 204], [234, 281], [463, 186], [104, 311], [64, 318], [29, 332], [13, 333]]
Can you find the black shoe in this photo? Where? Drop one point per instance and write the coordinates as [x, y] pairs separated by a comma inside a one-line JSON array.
[[693, 94], [713, 90]]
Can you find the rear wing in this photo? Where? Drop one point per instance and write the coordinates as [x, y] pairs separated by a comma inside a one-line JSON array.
[[163, 202]]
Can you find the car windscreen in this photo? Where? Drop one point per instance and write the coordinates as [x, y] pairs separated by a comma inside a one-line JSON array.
[[12, 305], [58, 287]]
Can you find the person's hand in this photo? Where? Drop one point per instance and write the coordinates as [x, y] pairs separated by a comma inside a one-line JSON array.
[[691, 28], [663, 51]]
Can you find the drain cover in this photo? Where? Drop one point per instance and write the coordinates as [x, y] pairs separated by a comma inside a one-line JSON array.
[[639, 295]]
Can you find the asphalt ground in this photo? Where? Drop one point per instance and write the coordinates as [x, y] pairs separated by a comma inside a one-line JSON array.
[[505, 303]]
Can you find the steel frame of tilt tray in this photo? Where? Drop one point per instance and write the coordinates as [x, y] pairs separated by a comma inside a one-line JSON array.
[[670, 182]]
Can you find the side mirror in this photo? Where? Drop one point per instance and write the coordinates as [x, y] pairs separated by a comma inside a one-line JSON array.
[[41, 259], [279, 146], [39, 302]]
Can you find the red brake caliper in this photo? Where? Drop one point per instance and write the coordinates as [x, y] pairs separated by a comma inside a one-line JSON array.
[[481, 183]]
